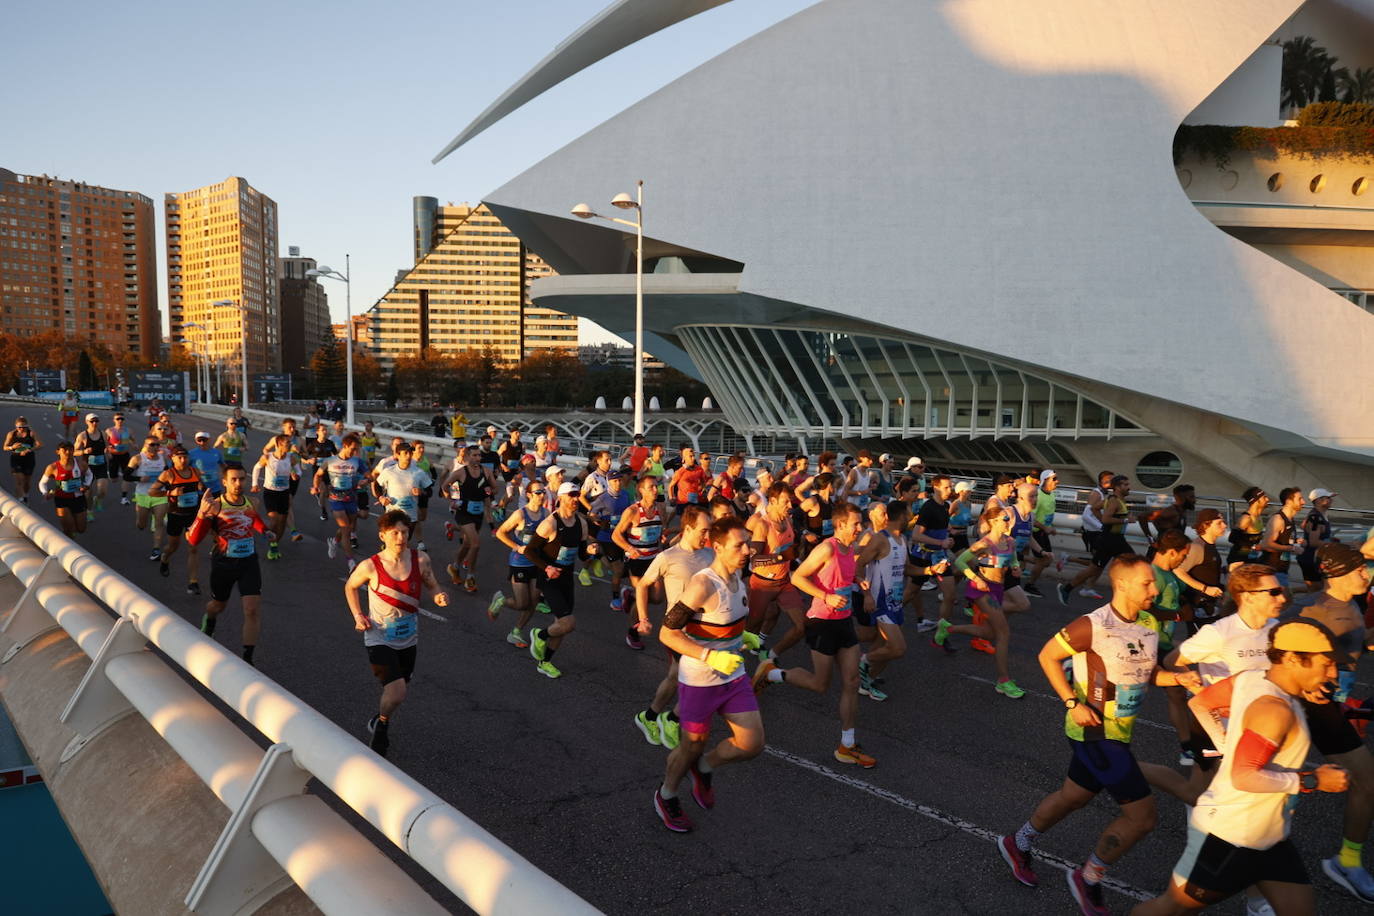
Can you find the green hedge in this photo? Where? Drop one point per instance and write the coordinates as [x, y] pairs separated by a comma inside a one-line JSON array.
[[1217, 142], [1337, 114]]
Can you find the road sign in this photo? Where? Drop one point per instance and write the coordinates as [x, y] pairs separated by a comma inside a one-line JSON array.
[[268, 387], [172, 388], [34, 381]]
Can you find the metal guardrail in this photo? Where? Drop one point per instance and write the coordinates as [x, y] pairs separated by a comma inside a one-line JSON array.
[[275, 830]]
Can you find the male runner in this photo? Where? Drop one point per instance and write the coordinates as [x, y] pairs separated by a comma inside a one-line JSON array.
[[672, 569], [471, 486], [1238, 832], [90, 446], [706, 627], [882, 567], [21, 443], [66, 482], [69, 408], [340, 478], [1045, 506], [233, 559], [288, 429], [827, 575], [597, 480], [929, 550], [208, 462], [231, 444], [607, 508], [1201, 569], [554, 548], [273, 475], [1111, 540], [147, 464], [515, 533], [400, 485], [639, 535], [395, 578], [317, 451], [1114, 652], [687, 488], [770, 581], [181, 486], [117, 439], [1282, 537]]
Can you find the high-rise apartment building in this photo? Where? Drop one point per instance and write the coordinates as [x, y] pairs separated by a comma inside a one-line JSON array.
[[78, 259], [222, 245], [305, 324], [469, 289]]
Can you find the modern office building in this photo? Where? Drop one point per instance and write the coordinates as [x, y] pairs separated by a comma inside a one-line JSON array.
[[78, 259], [305, 322], [1001, 272], [222, 246], [469, 289]]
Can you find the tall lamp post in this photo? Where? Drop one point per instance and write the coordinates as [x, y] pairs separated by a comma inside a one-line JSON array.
[[243, 344], [323, 271], [202, 361], [626, 202]]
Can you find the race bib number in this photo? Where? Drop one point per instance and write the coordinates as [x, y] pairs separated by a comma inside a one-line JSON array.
[[473, 507], [648, 535], [827, 528], [401, 628], [70, 486], [896, 592], [1345, 682], [188, 500], [1128, 697], [847, 593], [566, 556], [233, 451], [280, 481], [406, 502], [691, 497], [239, 547], [95, 460]]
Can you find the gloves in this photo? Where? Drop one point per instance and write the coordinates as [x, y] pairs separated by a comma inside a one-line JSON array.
[[751, 640], [726, 663]]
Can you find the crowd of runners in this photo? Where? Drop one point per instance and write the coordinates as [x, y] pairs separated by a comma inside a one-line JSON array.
[[857, 557]]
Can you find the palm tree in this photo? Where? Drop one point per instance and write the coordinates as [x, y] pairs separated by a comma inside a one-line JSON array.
[[1358, 86], [1308, 69]]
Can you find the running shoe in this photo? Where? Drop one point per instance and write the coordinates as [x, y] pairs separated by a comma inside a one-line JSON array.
[[470, 584], [702, 793], [207, 624], [632, 640], [324, 516], [449, 529], [273, 551], [941, 633], [1059, 561], [90, 516], [1063, 590], [352, 564], [1355, 880], [547, 669], [617, 604], [332, 547], [1091, 593], [670, 730], [123, 500], [1008, 688], [982, 645], [1018, 861], [517, 639], [760, 680], [866, 689], [670, 810], [583, 578], [539, 646], [193, 588], [454, 575], [163, 570], [925, 626], [1258, 906], [156, 554], [864, 673], [929, 586], [1033, 590], [353, 541], [649, 728], [598, 568], [543, 607], [1185, 758], [854, 754], [497, 602], [627, 597], [380, 742], [1087, 896], [296, 535]]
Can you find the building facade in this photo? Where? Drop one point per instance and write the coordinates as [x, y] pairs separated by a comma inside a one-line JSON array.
[[78, 259], [222, 246], [1044, 294], [469, 289], [305, 323]]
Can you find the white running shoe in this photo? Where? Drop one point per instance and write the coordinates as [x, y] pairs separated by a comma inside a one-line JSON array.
[[925, 626], [1091, 593], [333, 546]]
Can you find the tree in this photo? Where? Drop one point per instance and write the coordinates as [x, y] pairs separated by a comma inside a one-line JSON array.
[[393, 391], [85, 373], [1309, 73], [367, 374], [1358, 86], [327, 364]]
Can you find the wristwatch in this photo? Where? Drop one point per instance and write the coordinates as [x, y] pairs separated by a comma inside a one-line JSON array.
[[1071, 703], [1308, 781]]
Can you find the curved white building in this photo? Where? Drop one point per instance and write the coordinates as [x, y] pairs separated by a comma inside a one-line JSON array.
[[955, 229]]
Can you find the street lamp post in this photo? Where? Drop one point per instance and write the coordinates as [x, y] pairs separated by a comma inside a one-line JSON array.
[[626, 202], [243, 344], [202, 362], [323, 271]]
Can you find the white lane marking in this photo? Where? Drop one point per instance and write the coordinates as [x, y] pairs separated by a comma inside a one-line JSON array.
[[950, 820], [1035, 693]]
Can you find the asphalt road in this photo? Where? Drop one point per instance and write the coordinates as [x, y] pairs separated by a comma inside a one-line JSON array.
[[556, 768]]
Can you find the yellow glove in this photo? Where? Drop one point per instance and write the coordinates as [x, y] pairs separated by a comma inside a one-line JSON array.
[[726, 663], [751, 640]]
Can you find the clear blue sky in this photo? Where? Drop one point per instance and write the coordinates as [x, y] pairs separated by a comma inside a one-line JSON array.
[[334, 110]]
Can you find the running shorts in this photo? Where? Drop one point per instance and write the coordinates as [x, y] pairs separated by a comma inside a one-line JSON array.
[[523, 574], [764, 592], [1042, 539], [996, 591], [144, 501], [277, 501], [1331, 731], [612, 552], [390, 664], [101, 471], [346, 506], [829, 637], [1211, 869], [74, 504], [119, 466], [1090, 539], [466, 518], [1106, 764], [179, 522], [558, 593], [22, 464], [227, 572], [638, 567], [1109, 547], [696, 705]]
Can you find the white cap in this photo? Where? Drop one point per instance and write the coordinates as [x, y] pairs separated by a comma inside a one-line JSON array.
[[539, 439], [565, 488], [914, 462], [1047, 474], [551, 470], [884, 457], [492, 430], [202, 435], [963, 486], [92, 416], [1319, 493]]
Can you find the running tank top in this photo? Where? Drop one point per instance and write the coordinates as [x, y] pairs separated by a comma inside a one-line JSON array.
[[148, 470], [1022, 527], [862, 478], [472, 493], [1001, 556], [568, 538], [1091, 520], [646, 531], [773, 564], [719, 625], [821, 523], [233, 446], [96, 442], [393, 606], [183, 493], [118, 439], [1279, 560], [26, 441], [67, 480], [835, 577], [1255, 820], [276, 472], [1208, 572], [889, 585], [522, 533]]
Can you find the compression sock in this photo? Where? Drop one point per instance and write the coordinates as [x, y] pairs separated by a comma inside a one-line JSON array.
[[1350, 854], [1094, 869], [1025, 836], [847, 737], [248, 654]]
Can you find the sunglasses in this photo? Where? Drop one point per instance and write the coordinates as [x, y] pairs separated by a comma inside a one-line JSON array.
[[538, 492], [1275, 592]]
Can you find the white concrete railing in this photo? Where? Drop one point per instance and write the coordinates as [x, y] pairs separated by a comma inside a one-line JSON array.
[[275, 830]]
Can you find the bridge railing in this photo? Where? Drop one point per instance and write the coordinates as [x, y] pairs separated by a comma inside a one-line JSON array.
[[274, 829]]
